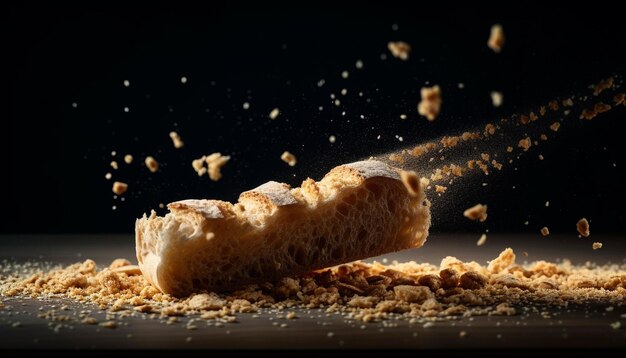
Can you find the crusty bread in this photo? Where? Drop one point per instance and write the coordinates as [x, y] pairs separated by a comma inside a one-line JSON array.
[[356, 211]]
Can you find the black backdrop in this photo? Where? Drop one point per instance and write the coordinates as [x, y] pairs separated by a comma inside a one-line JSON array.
[[67, 99]]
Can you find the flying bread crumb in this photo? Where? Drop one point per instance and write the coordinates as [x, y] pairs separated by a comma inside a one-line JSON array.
[[114, 165], [583, 227], [332, 139], [128, 159], [616, 325], [178, 143], [555, 126], [496, 98], [545, 231], [490, 129], [430, 105], [440, 189], [541, 157], [274, 113], [215, 162], [119, 188], [596, 245], [411, 182], [619, 98], [288, 158], [482, 240], [399, 49], [568, 102], [588, 114], [152, 164], [602, 85], [108, 176], [476, 212], [525, 143], [601, 107], [509, 149], [496, 38], [543, 137]]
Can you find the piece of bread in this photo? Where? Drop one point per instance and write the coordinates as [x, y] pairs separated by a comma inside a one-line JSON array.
[[356, 211]]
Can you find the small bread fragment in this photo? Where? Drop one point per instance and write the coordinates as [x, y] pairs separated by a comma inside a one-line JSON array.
[[596, 245], [583, 227], [356, 211], [430, 105], [399, 49], [178, 143], [119, 188], [545, 231], [288, 158], [476, 212], [152, 164], [496, 38]]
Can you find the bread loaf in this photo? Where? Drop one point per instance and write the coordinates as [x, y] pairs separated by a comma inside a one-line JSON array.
[[356, 211]]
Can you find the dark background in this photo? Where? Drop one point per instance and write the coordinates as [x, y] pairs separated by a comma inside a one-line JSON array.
[[273, 56]]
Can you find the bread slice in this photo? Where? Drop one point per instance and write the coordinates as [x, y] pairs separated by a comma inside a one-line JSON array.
[[356, 211]]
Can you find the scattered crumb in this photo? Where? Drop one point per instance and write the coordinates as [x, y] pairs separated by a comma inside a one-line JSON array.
[[114, 165], [596, 245], [583, 227], [128, 159], [215, 162], [119, 188], [332, 139], [178, 143], [541, 157], [440, 189], [497, 98], [109, 324], [288, 158], [291, 315], [476, 212], [496, 38], [462, 334], [152, 164], [108, 176], [603, 85], [525, 143], [545, 231], [399, 49], [430, 105], [555, 126], [274, 113], [482, 240]]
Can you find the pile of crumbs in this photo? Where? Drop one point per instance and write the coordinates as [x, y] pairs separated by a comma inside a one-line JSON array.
[[358, 291]]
